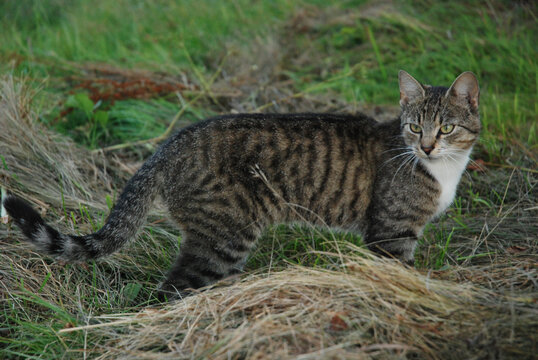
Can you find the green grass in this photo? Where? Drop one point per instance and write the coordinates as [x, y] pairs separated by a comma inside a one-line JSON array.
[[363, 51], [349, 50], [130, 33]]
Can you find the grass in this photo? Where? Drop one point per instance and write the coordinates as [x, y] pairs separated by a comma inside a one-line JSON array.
[[308, 292], [129, 34]]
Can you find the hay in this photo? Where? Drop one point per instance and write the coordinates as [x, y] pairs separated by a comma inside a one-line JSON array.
[[69, 185], [41, 165], [368, 308]]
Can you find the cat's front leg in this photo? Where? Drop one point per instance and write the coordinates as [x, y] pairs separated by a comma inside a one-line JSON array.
[[399, 245]]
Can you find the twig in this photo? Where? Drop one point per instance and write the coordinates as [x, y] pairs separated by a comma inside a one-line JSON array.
[[155, 139], [505, 192], [257, 172], [206, 85], [511, 167], [522, 147]]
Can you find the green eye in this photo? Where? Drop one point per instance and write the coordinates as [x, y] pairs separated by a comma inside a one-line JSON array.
[[447, 129], [415, 128]]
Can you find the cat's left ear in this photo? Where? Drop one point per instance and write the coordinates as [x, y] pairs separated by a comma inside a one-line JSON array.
[[465, 90]]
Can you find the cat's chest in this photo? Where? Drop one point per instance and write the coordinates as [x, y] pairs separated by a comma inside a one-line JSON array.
[[448, 174]]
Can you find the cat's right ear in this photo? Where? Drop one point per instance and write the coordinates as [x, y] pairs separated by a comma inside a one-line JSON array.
[[410, 89]]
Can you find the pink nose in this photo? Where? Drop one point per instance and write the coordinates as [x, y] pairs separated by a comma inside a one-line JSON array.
[[426, 149]]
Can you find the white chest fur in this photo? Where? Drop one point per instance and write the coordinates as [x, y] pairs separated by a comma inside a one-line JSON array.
[[447, 171]]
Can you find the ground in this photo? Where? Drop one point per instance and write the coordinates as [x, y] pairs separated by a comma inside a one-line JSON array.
[[87, 92]]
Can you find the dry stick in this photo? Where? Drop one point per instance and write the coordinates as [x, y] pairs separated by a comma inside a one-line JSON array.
[[170, 127], [155, 139], [511, 167], [505, 192], [205, 85], [100, 325], [500, 221], [523, 148]]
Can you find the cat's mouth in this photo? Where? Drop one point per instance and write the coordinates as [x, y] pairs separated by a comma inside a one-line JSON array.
[[442, 154], [433, 155]]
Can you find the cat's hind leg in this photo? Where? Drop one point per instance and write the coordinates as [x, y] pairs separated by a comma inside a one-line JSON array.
[[207, 256]]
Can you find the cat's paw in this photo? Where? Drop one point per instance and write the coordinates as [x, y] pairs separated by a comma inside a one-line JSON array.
[[402, 250]]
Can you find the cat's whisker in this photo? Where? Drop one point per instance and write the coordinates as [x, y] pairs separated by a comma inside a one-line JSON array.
[[464, 170], [397, 156], [464, 152], [403, 160], [401, 154], [396, 149], [403, 164], [471, 160], [445, 163]]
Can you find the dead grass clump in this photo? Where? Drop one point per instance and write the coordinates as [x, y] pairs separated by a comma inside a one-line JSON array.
[[368, 308], [107, 83], [37, 161], [494, 244]]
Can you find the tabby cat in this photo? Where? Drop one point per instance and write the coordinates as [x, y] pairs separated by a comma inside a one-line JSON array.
[[226, 179]]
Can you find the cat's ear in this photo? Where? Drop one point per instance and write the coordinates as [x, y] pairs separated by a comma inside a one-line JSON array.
[[410, 89], [465, 90]]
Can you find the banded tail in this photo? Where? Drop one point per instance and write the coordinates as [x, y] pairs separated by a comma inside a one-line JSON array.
[[127, 216]]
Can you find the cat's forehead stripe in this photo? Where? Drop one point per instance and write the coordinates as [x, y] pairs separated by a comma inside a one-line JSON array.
[[431, 108]]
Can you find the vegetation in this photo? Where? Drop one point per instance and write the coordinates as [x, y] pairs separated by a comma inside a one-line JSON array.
[[80, 77]]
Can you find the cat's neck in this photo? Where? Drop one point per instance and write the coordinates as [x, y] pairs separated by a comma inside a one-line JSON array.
[[447, 171]]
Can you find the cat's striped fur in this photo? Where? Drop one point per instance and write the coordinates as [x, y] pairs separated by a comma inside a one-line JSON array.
[[226, 179]]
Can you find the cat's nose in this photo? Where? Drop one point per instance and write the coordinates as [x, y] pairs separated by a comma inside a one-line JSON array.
[[426, 149]]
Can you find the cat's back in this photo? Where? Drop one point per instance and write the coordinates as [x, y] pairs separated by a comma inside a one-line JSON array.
[[237, 140], [306, 123]]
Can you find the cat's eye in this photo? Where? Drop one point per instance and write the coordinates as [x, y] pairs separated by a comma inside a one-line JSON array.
[[415, 128], [447, 129]]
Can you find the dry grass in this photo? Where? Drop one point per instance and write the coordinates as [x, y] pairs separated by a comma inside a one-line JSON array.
[[69, 185], [358, 307], [368, 308], [37, 161]]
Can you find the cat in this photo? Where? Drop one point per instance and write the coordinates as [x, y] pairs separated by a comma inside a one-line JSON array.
[[224, 180]]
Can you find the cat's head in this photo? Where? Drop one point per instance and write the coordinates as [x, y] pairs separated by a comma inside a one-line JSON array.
[[439, 122]]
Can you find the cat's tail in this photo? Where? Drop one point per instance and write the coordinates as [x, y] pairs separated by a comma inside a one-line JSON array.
[[127, 216]]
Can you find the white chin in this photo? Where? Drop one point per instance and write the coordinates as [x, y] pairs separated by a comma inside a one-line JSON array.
[[425, 157], [431, 158]]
